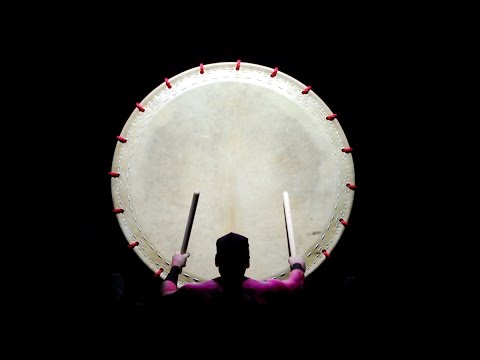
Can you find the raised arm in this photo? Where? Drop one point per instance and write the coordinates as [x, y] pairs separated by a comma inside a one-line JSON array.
[[169, 285], [296, 278]]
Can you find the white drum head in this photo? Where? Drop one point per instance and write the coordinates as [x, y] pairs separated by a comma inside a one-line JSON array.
[[241, 138]]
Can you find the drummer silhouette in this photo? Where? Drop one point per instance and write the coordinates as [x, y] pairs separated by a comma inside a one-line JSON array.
[[232, 287]]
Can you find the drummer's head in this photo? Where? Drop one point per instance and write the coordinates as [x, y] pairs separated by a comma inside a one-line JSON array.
[[233, 254]]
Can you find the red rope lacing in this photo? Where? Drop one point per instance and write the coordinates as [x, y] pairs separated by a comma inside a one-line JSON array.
[[306, 90], [133, 244], [140, 107]]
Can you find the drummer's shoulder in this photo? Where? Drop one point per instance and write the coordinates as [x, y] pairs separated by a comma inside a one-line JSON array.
[[261, 284], [273, 284], [201, 286]]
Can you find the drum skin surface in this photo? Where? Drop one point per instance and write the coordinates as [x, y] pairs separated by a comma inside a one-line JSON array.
[[240, 135]]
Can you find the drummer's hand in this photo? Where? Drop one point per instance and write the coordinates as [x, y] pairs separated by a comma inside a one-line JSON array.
[[296, 260], [179, 259]]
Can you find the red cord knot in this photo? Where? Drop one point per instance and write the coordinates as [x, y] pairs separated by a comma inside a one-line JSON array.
[[344, 223], [133, 244], [325, 252], [168, 83], [351, 186], [140, 107], [113, 174], [307, 89], [121, 139], [274, 72], [331, 117], [238, 65], [347, 150], [158, 272], [118, 211], [201, 72]]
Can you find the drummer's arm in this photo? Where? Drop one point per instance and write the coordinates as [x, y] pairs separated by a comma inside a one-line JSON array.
[[169, 285], [293, 284], [296, 278]]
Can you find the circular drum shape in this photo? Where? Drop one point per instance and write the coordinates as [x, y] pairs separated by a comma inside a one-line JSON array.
[[241, 135]]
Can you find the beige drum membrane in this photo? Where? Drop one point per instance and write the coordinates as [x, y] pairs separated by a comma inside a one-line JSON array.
[[241, 135]]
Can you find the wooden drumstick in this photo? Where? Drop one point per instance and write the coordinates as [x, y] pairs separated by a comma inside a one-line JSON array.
[[288, 221], [188, 229]]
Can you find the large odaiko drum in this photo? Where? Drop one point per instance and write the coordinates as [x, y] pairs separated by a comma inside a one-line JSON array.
[[240, 136]]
